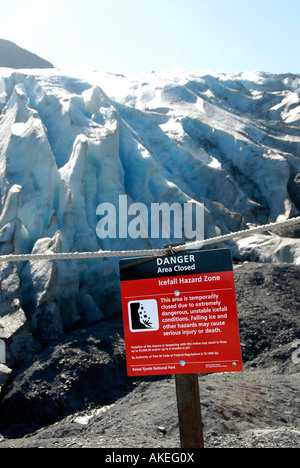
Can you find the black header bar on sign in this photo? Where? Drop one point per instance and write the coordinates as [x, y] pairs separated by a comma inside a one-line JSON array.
[[186, 263]]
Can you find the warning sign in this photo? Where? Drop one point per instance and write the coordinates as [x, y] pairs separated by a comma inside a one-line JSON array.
[[180, 314]]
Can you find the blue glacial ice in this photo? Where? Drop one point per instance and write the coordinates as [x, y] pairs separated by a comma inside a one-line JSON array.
[[69, 142]]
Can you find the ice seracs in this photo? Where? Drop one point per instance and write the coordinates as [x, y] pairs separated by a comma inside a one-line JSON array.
[[69, 143]]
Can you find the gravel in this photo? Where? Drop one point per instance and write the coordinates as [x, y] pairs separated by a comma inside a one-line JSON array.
[[76, 393]]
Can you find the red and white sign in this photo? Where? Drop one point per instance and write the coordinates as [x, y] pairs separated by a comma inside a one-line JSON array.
[[180, 314]]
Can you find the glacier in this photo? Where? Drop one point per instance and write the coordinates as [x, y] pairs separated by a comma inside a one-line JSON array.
[[71, 140]]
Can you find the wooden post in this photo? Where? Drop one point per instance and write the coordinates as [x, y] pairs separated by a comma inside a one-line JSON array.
[[189, 411]]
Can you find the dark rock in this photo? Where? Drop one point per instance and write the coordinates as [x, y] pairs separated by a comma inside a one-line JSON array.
[[13, 56], [77, 394]]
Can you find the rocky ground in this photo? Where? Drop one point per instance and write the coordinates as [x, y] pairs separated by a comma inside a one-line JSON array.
[[76, 394]]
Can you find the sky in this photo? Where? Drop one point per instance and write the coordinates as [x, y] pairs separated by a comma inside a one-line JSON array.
[[133, 36]]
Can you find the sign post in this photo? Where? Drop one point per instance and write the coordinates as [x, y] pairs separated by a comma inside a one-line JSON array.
[[189, 411], [180, 318]]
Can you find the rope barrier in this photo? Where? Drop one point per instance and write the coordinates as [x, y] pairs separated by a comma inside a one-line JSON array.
[[151, 252]]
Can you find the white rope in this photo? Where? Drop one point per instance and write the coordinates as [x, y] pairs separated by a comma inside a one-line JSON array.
[[151, 252], [244, 233]]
